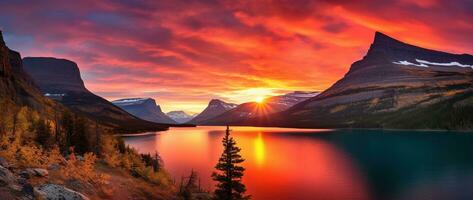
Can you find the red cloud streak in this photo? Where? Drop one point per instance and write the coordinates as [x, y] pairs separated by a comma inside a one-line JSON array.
[[184, 53]]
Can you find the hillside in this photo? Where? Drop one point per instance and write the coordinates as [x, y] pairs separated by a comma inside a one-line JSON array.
[[60, 80], [396, 85]]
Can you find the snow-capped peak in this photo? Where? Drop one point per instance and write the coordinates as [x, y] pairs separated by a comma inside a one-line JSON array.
[[216, 102]]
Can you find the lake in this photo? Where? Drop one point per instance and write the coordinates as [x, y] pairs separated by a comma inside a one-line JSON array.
[[290, 164]]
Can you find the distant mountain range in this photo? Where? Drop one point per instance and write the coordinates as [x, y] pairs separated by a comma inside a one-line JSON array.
[[144, 108], [59, 79], [253, 110], [216, 107], [180, 116], [395, 85]]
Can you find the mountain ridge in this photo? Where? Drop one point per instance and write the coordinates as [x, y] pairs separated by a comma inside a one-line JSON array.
[[379, 92], [60, 80], [269, 106]]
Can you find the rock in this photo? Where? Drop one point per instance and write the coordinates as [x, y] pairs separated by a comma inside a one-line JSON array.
[[38, 194], [22, 180], [57, 192], [6, 177], [4, 162], [53, 167], [28, 190], [41, 172], [27, 173]]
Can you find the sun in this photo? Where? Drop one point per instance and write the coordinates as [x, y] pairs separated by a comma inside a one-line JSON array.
[[259, 99]]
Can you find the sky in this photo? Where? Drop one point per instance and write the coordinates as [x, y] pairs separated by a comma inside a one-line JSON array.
[[184, 53]]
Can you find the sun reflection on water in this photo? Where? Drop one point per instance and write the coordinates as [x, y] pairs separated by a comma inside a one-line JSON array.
[[259, 149]]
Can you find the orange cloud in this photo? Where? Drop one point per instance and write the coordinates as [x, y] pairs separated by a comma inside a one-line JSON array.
[[184, 53]]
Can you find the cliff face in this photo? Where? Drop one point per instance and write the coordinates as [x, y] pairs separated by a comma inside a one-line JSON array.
[[5, 67], [55, 75], [15, 85]]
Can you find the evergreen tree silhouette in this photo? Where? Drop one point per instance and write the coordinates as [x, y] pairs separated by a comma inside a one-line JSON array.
[[230, 173]]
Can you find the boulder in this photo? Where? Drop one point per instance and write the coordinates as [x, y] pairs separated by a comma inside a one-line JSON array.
[[6, 177], [41, 172], [53, 167], [57, 192], [27, 173], [28, 190], [4, 162]]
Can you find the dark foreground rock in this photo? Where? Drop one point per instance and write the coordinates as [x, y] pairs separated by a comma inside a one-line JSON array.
[[57, 192]]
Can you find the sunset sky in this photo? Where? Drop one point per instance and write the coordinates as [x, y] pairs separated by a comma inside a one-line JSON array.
[[184, 53]]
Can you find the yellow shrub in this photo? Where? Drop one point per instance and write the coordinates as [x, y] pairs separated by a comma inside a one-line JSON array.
[[110, 154], [83, 170], [30, 156], [8, 149], [53, 156]]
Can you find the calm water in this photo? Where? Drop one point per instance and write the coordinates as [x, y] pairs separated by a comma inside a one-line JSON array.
[[291, 164]]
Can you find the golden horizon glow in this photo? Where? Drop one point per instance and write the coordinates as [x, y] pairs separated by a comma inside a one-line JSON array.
[[259, 99], [185, 54]]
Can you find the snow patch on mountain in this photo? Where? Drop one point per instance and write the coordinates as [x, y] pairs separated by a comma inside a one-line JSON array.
[[302, 94], [130, 101], [424, 63], [214, 103], [405, 62]]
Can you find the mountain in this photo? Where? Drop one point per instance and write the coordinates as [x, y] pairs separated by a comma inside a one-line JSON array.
[[180, 116], [144, 108], [395, 85], [216, 107], [60, 80], [16, 86], [250, 110]]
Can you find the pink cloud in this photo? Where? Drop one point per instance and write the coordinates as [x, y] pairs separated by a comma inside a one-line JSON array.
[[187, 52]]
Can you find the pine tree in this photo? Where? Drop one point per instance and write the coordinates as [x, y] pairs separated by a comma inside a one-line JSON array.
[[229, 186], [79, 138], [186, 189], [68, 128], [43, 132]]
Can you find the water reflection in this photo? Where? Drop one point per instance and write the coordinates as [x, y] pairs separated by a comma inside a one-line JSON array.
[[326, 164], [259, 149]]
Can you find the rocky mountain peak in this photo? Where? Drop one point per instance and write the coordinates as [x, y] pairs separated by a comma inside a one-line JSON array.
[[215, 101], [144, 108], [381, 39]]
